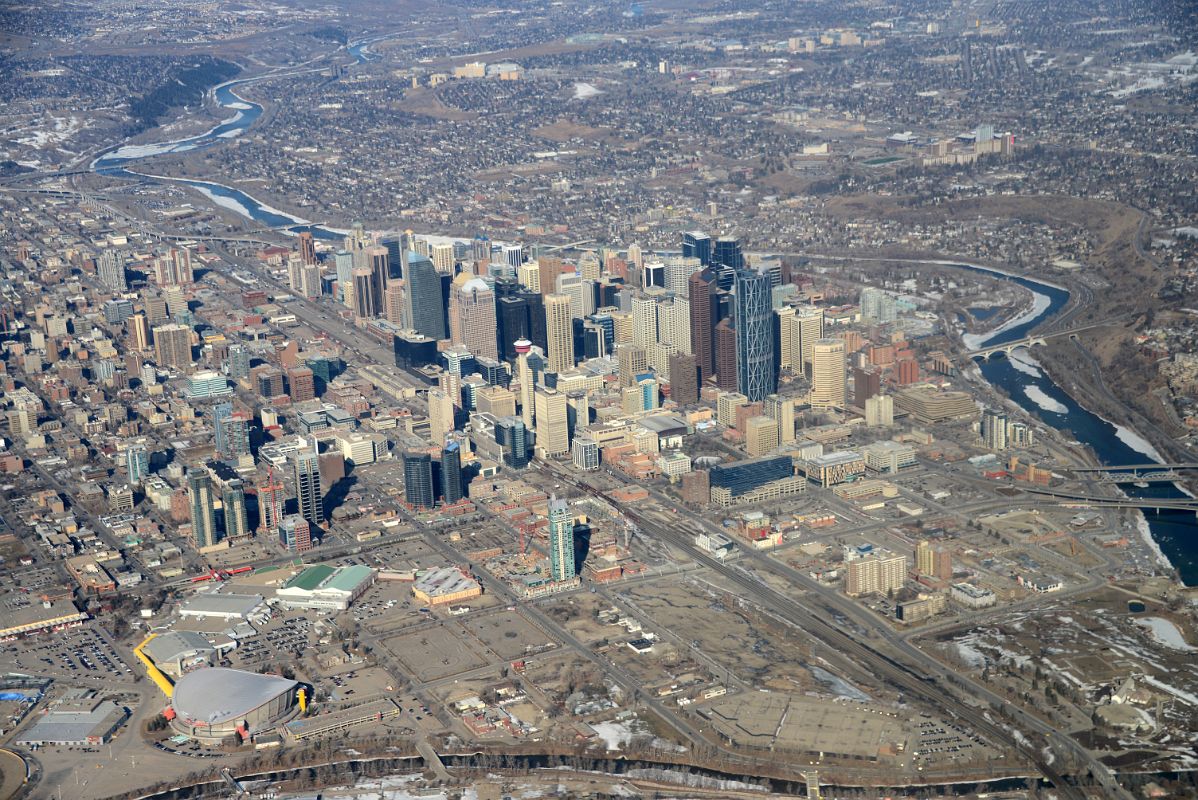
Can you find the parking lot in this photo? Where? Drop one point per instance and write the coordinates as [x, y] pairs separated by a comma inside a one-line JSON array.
[[286, 640], [83, 653]]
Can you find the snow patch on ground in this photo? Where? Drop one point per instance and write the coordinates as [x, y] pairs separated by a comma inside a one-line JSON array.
[[839, 686], [1185, 697], [1046, 403], [393, 787], [584, 91], [1166, 633], [1142, 85], [614, 734], [970, 655], [49, 132]]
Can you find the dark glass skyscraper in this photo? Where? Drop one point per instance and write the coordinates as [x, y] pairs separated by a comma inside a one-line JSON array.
[[453, 488], [512, 437], [426, 300], [394, 245], [307, 484], [418, 480], [537, 331], [754, 336], [727, 253], [511, 314], [203, 507], [220, 436], [697, 244]]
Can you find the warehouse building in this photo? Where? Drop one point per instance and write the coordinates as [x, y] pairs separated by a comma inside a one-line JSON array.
[[38, 617], [322, 587], [76, 723], [228, 607]]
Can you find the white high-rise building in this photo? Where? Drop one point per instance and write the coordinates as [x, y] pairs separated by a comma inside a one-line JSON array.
[[678, 272], [441, 254], [644, 321], [528, 275], [788, 338], [559, 333], [877, 305], [674, 323], [111, 270], [994, 429], [879, 411], [582, 300]]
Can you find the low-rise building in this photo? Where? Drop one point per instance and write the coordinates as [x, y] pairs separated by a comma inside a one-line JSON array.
[[971, 596], [716, 544], [888, 456], [445, 585], [177, 652], [220, 605], [39, 617], [924, 607], [76, 723], [322, 587], [833, 468]]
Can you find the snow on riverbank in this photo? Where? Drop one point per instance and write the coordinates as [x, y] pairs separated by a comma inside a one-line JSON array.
[[1145, 531], [1138, 443], [1040, 304], [230, 203]]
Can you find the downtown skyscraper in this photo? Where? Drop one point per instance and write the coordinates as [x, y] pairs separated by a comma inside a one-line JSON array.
[[703, 318], [203, 507], [561, 541], [755, 377], [425, 302], [472, 320], [307, 484]]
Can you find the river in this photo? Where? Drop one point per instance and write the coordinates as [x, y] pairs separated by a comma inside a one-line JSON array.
[[117, 161], [1174, 533]]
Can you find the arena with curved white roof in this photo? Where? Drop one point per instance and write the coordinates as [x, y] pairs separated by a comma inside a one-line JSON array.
[[214, 703]]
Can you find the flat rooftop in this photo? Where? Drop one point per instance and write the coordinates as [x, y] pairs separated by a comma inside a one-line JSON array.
[[74, 724], [218, 604]]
